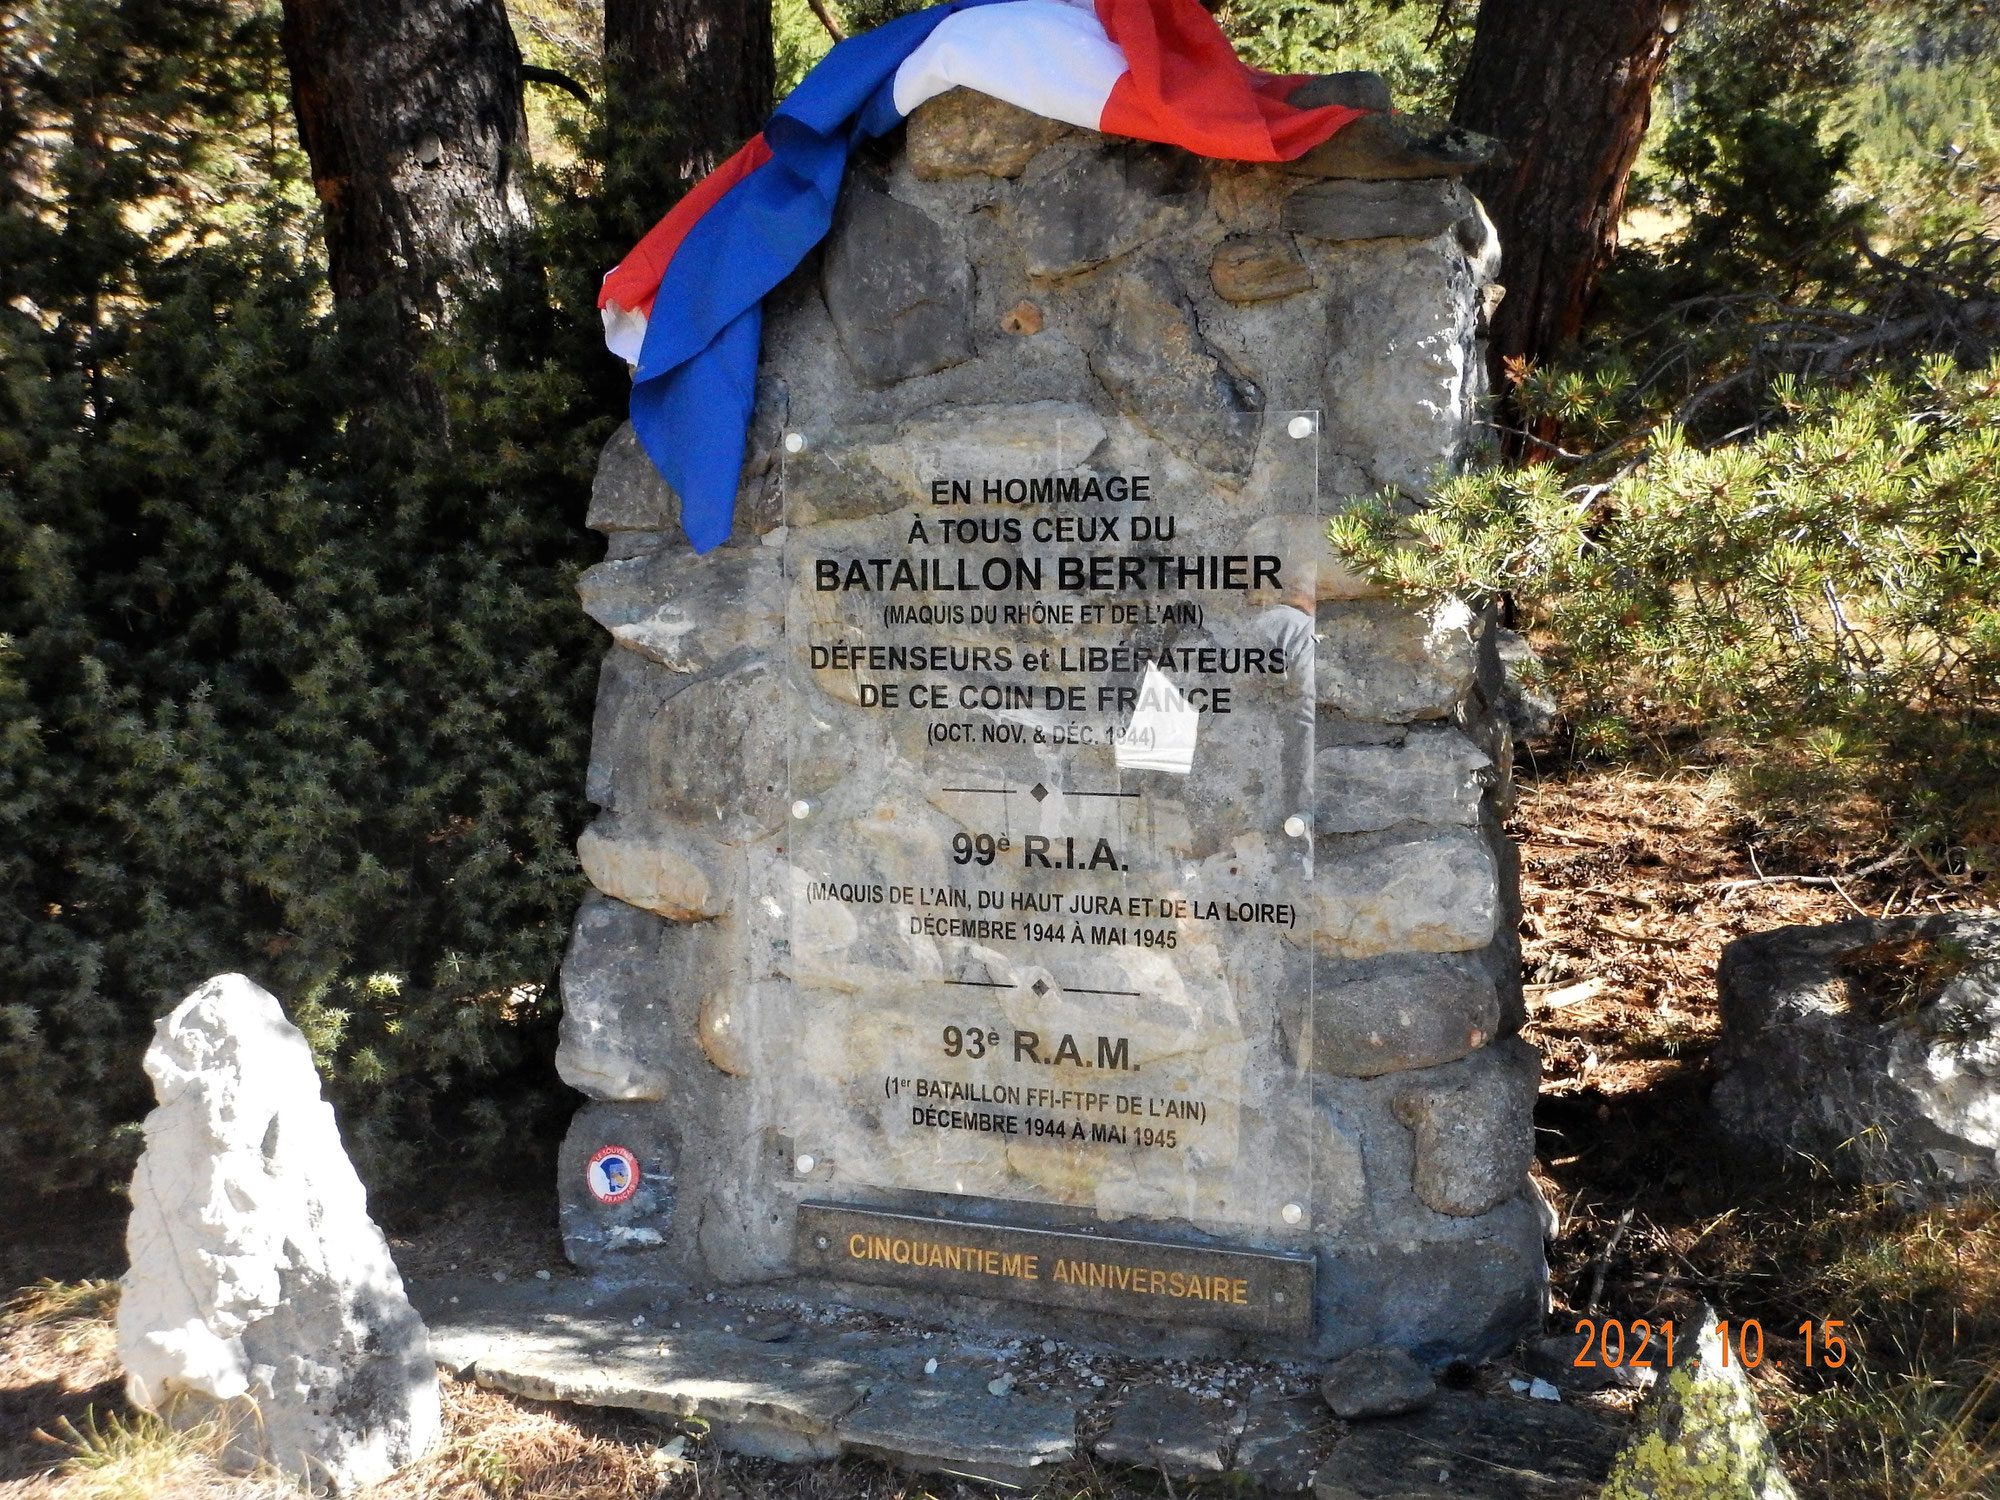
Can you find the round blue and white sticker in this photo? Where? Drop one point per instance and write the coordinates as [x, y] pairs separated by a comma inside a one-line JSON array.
[[613, 1174]]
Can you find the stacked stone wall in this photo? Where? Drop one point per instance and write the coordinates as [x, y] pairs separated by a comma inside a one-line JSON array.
[[992, 279]]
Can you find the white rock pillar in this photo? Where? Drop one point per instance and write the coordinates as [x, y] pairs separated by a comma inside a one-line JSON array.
[[259, 1285]]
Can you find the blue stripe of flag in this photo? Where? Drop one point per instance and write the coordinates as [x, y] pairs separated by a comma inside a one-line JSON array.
[[696, 381]]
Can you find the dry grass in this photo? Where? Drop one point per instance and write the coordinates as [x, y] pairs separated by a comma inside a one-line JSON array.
[[495, 1445], [58, 1363], [136, 1456]]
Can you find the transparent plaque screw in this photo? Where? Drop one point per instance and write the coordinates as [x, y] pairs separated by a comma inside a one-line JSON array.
[[801, 808], [1292, 1213], [1295, 826], [1277, 1297], [1298, 427], [804, 1165], [795, 442], [821, 1242]]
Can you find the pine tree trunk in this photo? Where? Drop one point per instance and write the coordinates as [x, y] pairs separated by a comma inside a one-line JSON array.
[[1568, 87], [698, 72], [410, 113]]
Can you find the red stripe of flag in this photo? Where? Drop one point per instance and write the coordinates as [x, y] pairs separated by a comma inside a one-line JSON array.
[[635, 280], [1184, 83]]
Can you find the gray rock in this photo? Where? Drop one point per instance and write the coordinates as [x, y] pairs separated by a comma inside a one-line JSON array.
[[1700, 1432], [613, 953], [646, 1139], [834, 479], [757, 1398], [260, 1290], [1355, 90], [1474, 1124], [1417, 1012], [1378, 660], [1871, 1047], [628, 493], [1257, 268], [1554, 1359], [1405, 375], [1391, 893], [1530, 711], [1283, 1443], [692, 615], [1449, 1289], [1470, 1446], [1169, 1430], [1434, 776], [1375, 210], [633, 691], [1097, 205], [1340, 1175], [1152, 357], [736, 718], [900, 294], [963, 133], [1376, 1383], [1388, 147], [632, 984], [960, 1429]]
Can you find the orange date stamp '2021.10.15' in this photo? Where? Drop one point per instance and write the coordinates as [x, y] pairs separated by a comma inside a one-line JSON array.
[[1610, 1343]]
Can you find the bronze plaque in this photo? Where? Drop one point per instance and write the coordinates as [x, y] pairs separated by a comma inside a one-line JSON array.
[[1252, 1290]]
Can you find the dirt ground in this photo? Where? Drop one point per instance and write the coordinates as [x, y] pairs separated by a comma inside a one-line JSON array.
[[1631, 885]]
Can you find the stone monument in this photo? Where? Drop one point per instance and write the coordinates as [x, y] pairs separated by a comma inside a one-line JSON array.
[[1037, 884]]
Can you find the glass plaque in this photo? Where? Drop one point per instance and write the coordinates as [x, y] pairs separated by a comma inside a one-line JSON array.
[[1051, 837]]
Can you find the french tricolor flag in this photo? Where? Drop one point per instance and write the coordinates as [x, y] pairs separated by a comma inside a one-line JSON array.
[[685, 308]]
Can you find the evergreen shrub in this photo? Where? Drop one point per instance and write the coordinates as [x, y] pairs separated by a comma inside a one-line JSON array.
[[289, 683], [1821, 598]]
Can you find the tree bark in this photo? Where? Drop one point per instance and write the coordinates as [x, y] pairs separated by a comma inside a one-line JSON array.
[[703, 69], [1569, 88], [410, 113]]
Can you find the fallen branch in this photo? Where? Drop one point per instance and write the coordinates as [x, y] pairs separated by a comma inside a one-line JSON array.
[[1602, 1264], [1604, 929], [1730, 887], [1642, 902], [1725, 887], [1567, 836], [1556, 996]]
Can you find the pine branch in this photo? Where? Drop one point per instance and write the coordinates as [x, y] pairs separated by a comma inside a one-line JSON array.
[[533, 74], [827, 19]]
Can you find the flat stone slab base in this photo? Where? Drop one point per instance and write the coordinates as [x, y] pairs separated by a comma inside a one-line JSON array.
[[1504, 1447], [776, 1377], [960, 1427]]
